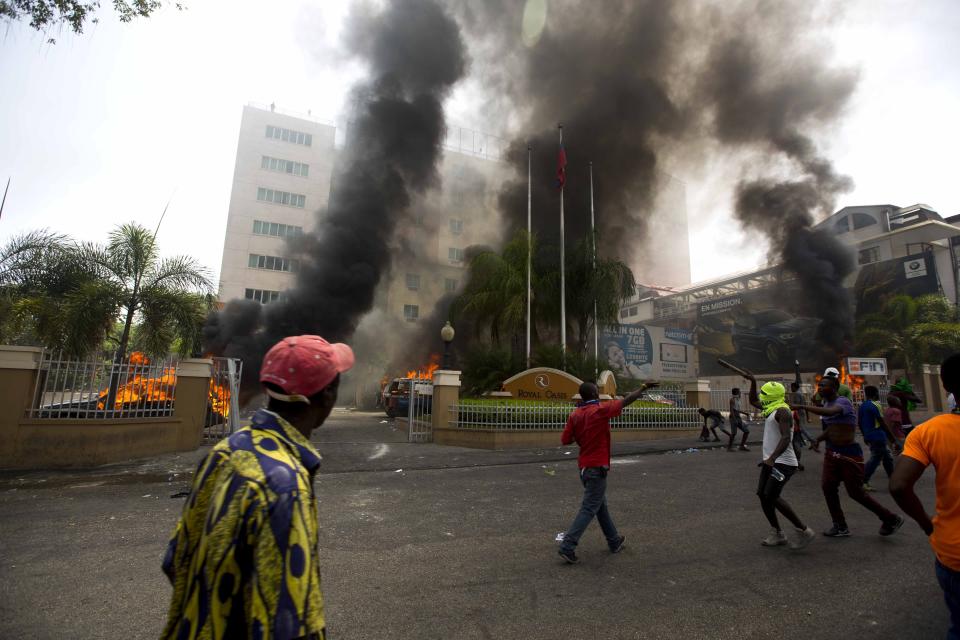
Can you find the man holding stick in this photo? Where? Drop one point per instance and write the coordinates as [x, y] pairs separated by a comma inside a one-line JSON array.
[[779, 460]]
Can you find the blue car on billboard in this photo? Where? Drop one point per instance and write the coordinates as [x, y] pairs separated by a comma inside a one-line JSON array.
[[776, 334]]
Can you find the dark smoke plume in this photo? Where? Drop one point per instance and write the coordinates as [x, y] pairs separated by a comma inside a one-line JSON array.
[[415, 54], [643, 85], [767, 102]]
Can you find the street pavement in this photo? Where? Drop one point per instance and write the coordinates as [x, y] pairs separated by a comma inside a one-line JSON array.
[[424, 541]]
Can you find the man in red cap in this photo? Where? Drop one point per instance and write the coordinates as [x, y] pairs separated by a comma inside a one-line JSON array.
[[243, 559]]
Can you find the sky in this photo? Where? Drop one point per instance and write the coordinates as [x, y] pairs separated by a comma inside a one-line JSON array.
[[110, 126]]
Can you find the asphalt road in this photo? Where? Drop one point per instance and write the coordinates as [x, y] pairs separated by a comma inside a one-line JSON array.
[[460, 544]]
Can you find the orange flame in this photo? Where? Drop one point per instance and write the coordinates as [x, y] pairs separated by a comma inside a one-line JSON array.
[[854, 382], [160, 388], [426, 373]]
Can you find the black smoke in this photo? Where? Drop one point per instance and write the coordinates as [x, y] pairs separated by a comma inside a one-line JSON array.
[[415, 55], [644, 87]]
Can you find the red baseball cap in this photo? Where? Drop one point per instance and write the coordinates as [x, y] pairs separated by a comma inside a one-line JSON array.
[[303, 365]]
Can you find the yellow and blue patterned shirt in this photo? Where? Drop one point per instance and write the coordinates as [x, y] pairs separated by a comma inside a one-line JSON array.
[[243, 559]]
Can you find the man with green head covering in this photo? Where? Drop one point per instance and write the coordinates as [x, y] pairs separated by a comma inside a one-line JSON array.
[[779, 463]]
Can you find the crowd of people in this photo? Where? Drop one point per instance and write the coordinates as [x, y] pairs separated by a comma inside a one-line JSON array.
[[886, 431], [243, 558]]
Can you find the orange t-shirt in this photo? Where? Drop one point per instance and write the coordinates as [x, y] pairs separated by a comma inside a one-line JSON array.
[[937, 442]]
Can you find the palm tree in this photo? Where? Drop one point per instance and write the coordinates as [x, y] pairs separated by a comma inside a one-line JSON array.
[[495, 295], [910, 331], [170, 295], [603, 282]]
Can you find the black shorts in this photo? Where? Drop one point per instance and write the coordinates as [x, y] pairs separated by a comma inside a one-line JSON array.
[[769, 488], [738, 424]]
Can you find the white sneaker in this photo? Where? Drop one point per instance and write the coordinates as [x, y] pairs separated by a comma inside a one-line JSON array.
[[775, 539], [804, 537]]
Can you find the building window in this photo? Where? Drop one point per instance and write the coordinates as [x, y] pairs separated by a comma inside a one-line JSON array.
[[871, 254], [634, 311], [456, 226], [273, 263], [263, 296], [861, 220], [413, 281], [411, 312], [281, 197], [285, 166], [286, 135], [623, 313], [263, 228], [455, 254], [449, 284]]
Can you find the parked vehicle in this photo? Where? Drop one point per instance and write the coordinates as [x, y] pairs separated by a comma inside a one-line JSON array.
[[396, 397]]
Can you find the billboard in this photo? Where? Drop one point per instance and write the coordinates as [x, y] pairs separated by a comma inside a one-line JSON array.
[[646, 352], [755, 330], [867, 366], [765, 330]]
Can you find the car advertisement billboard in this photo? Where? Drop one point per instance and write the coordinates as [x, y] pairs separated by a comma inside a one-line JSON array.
[[766, 330], [756, 331]]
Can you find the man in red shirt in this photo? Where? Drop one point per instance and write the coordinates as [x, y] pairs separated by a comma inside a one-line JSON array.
[[589, 427]]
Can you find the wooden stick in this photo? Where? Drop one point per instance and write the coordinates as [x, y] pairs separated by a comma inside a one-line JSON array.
[[732, 367]]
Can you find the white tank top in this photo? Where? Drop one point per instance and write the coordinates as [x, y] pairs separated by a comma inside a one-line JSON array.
[[771, 438]]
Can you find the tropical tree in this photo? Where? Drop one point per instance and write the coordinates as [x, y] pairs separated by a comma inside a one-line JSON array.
[[596, 289], [495, 296], [130, 279], [911, 331]]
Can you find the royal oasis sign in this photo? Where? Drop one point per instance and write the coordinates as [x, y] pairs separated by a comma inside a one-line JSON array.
[[543, 383]]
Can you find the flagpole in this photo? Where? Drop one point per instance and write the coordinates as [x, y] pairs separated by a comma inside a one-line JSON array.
[[529, 249], [563, 278], [593, 241]]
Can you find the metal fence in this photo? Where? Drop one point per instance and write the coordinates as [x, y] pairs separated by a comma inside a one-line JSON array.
[[223, 411], [419, 410], [507, 416], [102, 388]]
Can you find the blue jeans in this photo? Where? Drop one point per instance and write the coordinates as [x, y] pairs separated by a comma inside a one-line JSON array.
[[879, 452], [950, 583], [594, 504]]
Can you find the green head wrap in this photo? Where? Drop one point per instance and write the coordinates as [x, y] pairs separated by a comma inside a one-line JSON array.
[[772, 396]]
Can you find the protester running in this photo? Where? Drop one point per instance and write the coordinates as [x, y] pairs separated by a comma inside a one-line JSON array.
[[937, 442], [903, 391], [843, 460], [779, 463], [589, 426], [876, 434], [243, 559], [715, 419], [736, 421]]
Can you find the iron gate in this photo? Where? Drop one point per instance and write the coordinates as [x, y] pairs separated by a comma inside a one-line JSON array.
[[420, 410], [223, 410]]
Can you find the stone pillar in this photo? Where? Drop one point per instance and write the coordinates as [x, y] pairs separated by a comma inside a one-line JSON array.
[[18, 379], [190, 407], [933, 392], [698, 393], [446, 392]]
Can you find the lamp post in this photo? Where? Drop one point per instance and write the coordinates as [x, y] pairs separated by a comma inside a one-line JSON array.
[[446, 334]]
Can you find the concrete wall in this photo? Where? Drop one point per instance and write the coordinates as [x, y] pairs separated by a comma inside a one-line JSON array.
[[27, 443]]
